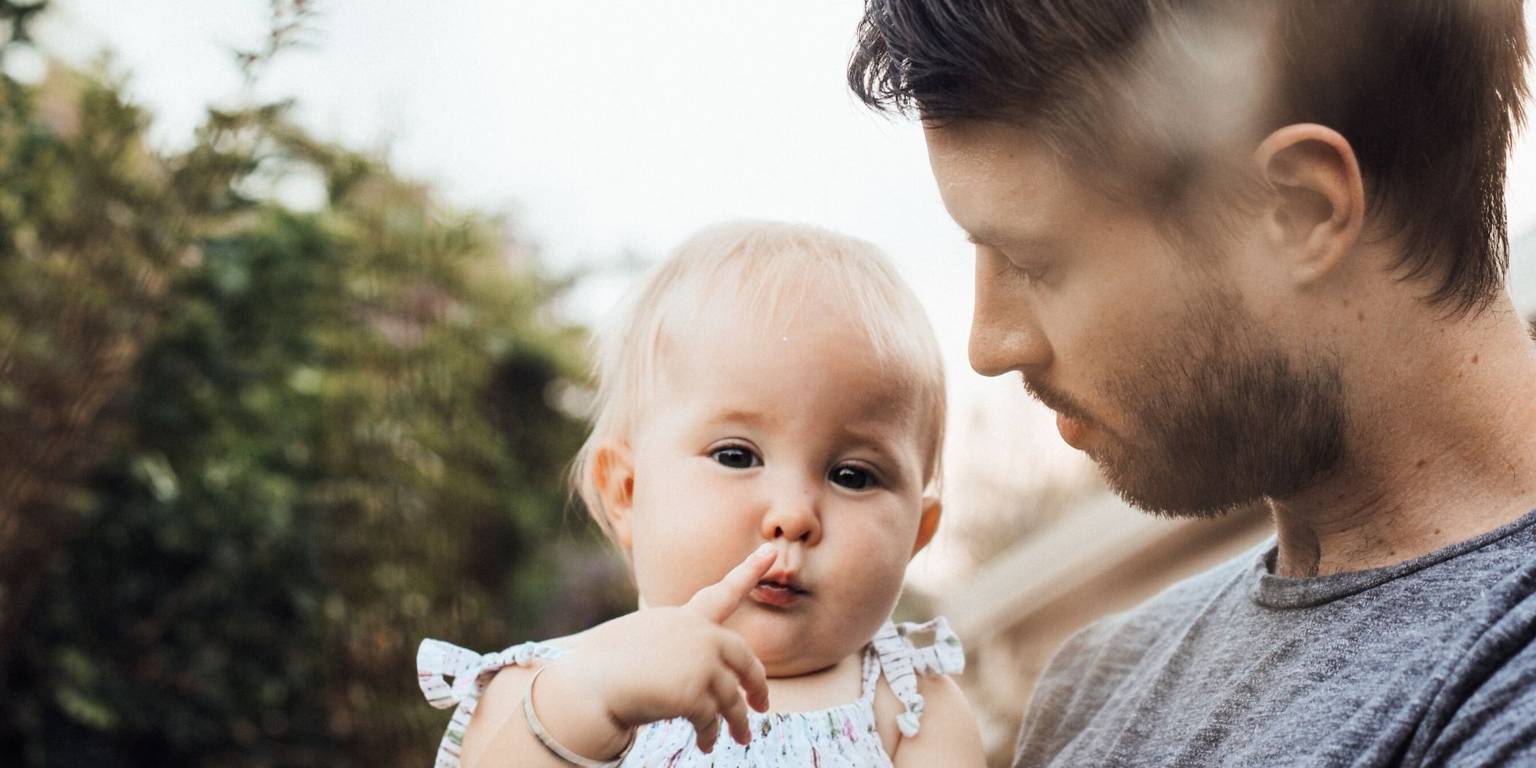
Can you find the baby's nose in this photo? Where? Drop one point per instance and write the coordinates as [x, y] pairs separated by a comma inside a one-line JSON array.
[[793, 519]]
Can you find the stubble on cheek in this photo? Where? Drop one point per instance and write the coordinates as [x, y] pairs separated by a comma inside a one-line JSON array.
[[1222, 417]]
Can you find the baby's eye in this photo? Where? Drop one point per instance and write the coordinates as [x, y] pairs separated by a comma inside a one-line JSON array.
[[852, 478], [736, 457]]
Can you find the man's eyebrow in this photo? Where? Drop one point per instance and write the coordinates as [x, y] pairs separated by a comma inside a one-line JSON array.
[[984, 238], [988, 237], [975, 239]]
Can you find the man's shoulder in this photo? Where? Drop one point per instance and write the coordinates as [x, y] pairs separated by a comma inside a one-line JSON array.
[[1114, 645], [1196, 592], [1176, 605], [1097, 661]]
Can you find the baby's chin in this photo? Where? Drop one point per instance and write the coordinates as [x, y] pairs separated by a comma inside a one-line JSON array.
[[789, 651], [804, 662]]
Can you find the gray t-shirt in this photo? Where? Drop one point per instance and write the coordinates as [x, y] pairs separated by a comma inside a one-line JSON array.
[[1424, 663]]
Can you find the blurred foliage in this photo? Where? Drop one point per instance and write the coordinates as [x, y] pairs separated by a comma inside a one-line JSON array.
[[253, 453]]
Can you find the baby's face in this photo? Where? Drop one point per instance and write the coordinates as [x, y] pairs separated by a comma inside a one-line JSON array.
[[782, 430]]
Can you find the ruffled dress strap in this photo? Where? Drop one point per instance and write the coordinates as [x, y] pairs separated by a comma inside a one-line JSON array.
[[437, 660], [902, 660]]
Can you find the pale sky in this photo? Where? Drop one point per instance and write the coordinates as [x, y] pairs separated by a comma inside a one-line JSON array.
[[620, 127]]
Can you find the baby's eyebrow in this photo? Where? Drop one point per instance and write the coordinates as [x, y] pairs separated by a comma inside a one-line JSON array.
[[891, 455], [741, 416]]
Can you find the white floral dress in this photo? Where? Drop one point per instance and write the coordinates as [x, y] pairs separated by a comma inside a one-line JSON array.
[[841, 736]]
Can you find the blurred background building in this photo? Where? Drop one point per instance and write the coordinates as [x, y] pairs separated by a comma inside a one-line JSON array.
[[293, 305]]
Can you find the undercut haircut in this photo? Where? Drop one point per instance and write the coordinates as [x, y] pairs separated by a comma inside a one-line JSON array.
[[1146, 95]]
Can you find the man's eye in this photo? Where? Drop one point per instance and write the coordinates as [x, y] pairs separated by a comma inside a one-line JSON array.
[[1031, 271], [852, 478], [1032, 274], [736, 457]]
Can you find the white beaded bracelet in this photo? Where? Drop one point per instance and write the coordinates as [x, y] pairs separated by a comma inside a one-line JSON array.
[[556, 748]]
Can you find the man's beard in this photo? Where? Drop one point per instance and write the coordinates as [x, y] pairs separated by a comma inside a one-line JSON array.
[[1216, 417]]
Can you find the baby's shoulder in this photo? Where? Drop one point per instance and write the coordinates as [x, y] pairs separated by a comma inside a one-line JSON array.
[[941, 695], [919, 707], [501, 700], [949, 734], [516, 675]]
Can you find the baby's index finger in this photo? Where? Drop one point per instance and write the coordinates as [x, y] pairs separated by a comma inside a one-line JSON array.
[[719, 600]]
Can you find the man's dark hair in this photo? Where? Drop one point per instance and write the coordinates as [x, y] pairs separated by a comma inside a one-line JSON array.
[[1428, 93]]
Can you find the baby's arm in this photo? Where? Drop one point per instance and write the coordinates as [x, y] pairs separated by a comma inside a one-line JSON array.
[[499, 736], [948, 735], [655, 664]]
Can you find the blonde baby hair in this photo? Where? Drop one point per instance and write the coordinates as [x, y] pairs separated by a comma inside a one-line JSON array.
[[765, 265]]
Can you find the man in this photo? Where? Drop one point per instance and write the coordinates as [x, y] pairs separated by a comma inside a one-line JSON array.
[[1256, 251]]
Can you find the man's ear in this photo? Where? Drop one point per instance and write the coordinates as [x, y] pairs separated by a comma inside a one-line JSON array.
[[933, 509], [613, 474], [1317, 207]]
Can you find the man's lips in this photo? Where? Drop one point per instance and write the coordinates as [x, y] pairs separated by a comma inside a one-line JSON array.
[[1074, 431]]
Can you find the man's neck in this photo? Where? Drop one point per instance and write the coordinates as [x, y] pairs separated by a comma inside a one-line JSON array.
[[1442, 448]]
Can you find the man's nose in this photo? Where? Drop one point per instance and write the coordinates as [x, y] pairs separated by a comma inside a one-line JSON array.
[[1005, 334], [793, 517]]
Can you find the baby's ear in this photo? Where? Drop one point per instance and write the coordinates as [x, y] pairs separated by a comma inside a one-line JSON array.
[[613, 474], [933, 509]]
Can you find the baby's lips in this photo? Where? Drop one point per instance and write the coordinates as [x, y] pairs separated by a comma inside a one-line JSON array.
[[785, 578]]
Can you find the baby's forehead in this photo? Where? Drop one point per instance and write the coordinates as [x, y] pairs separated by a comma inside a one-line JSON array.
[[766, 326], [794, 325], [724, 338], [861, 411], [802, 376]]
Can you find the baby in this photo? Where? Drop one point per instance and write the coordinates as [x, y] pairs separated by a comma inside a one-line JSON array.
[[765, 454]]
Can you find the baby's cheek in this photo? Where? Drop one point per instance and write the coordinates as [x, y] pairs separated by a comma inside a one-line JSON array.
[[874, 576], [669, 572], [685, 542]]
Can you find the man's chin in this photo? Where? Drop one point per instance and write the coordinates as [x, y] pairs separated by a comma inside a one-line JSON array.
[[1170, 493]]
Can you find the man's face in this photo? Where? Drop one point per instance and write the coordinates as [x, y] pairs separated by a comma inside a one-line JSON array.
[[1147, 351]]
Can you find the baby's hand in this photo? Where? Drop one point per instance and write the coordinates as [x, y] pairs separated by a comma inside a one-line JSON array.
[[660, 663]]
